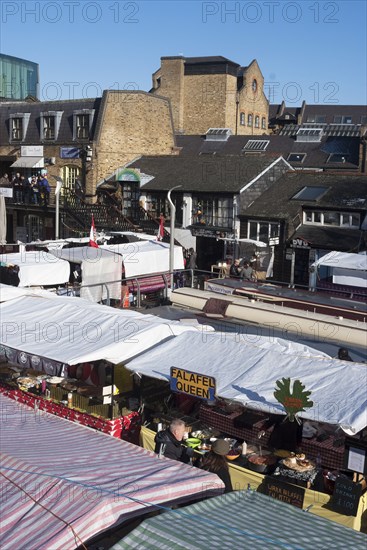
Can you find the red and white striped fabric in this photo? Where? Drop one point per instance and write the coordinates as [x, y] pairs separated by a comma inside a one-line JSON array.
[[90, 480], [93, 235]]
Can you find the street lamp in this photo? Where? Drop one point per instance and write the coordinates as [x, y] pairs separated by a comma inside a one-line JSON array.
[[172, 231], [59, 184]]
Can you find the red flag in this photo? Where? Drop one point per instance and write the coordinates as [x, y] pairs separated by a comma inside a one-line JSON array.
[[160, 233], [93, 235]]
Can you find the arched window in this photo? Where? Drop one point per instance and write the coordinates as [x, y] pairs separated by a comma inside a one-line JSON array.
[[257, 122], [249, 119], [69, 174], [263, 123], [242, 119]]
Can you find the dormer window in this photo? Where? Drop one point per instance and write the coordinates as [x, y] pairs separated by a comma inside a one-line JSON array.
[[50, 124], [83, 121], [18, 124]]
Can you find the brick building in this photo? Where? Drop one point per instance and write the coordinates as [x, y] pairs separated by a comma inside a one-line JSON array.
[[208, 92]]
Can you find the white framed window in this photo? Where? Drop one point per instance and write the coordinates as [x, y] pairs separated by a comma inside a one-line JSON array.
[[18, 125], [338, 219], [83, 121], [257, 121], [50, 125], [69, 174], [262, 230]]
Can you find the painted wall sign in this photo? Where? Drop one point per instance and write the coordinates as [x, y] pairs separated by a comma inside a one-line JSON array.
[[192, 383], [300, 243]]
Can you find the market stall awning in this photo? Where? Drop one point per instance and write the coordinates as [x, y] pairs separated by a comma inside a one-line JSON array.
[[343, 260], [37, 268], [63, 483], [242, 519], [28, 162], [146, 257], [72, 330], [100, 271], [246, 368], [8, 292]]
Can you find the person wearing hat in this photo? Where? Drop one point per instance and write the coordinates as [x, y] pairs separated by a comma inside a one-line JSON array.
[[215, 462]]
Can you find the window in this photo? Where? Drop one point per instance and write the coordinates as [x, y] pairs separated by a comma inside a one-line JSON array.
[[309, 134], [296, 157], [242, 119], [310, 193], [338, 119], [16, 129], [82, 124], [49, 127], [249, 120], [69, 175], [344, 219], [257, 121], [18, 125], [364, 119], [256, 145], [50, 124], [254, 85], [262, 230], [263, 123], [212, 212], [320, 119]]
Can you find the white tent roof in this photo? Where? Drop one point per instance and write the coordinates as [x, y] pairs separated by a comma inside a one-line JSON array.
[[344, 260], [72, 330], [98, 266], [246, 369], [79, 481], [8, 292], [146, 257], [38, 268]]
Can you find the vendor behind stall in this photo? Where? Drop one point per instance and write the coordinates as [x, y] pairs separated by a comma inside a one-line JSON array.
[[216, 463], [168, 443]]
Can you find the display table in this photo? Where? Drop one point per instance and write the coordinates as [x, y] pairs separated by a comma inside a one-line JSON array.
[[242, 478], [331, 457], [125, 427]]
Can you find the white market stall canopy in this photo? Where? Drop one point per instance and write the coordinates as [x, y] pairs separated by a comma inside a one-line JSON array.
[[98, 267], [8, 292], [72, 330], [37, 268], [59, 463], [146, 257], [343, 260], [246, 369]]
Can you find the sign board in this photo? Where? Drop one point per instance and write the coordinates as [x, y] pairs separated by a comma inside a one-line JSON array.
[[345, 498], [6, 192], [31, 151], [355, 456], [291, 494], [192, 383], [300, 243], [69, 152], [273, 241]]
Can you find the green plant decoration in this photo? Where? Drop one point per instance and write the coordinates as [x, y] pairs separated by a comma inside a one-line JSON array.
[[293, 401]]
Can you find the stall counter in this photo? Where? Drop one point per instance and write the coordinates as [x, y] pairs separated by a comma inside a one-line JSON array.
[[241, 478]]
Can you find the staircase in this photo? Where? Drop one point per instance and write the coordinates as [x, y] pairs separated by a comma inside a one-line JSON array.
[[77, 215]]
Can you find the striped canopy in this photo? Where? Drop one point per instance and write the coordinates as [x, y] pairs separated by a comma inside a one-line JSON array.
[[243, 520], [62, 483]]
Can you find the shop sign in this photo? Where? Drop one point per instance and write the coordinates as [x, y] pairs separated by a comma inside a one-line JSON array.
[[346, 495], [69, 152], [300, 243], [213, 233], [192, 383], [291, 494], [218, 288], [31, 151]]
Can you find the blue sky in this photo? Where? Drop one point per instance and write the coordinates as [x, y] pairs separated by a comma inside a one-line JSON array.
[[312, 50]]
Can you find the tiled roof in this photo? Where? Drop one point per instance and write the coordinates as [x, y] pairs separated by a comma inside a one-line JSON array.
[[329, 238], [202, 173]]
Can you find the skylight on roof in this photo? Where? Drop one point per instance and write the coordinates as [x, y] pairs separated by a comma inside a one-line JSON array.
[[218, 134], [337, 157], [256, 145], [296, 157], [309, 134], [310, 193]]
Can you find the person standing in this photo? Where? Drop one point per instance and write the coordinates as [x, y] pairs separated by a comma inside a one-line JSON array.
[[45, 189], [17, 188]]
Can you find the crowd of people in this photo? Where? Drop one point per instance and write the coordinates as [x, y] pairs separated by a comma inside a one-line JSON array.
[[32, 190]]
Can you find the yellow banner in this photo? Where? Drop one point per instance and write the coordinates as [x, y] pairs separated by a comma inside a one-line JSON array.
[[192, 383]]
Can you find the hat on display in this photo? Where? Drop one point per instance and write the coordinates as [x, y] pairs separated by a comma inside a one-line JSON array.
[[221, 447]]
